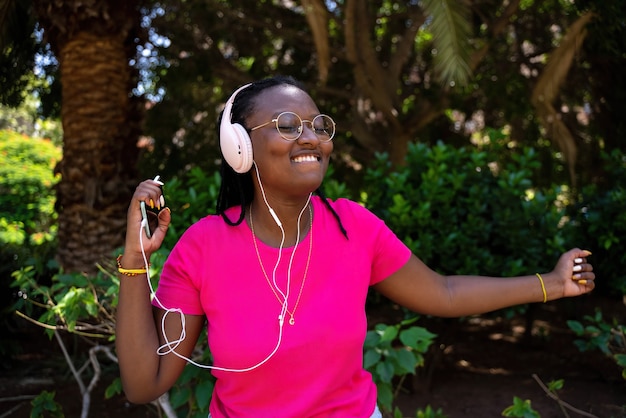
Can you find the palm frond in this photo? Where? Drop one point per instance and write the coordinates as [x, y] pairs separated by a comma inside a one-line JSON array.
[[449, 22], [13, 15]]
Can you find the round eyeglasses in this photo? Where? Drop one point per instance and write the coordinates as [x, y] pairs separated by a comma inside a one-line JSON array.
[[290, 126]]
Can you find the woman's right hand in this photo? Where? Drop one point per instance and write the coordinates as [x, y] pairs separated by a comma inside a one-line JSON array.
[[148, 191]]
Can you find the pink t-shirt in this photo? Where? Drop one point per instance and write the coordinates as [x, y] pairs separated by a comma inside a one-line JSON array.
[[318, 369]]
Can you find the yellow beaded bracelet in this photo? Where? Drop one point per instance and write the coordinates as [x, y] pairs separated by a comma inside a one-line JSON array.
[[543, 287], [128, 272]]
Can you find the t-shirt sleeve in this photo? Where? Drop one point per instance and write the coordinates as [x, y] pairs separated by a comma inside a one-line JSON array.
[[178, 286], [388, 252]]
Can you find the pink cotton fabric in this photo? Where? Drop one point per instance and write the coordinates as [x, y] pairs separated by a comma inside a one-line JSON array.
[[317, 371]]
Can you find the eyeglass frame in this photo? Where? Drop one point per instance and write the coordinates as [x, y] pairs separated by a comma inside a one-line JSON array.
[[275, 121]]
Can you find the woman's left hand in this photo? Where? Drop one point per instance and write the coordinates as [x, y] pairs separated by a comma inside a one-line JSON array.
[[574, 273]]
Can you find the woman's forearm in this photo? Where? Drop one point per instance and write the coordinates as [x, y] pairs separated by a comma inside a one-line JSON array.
[[136, 336], [475, 294]]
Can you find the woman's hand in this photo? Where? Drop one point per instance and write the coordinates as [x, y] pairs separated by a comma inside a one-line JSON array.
[[573, 273], [148, 191]]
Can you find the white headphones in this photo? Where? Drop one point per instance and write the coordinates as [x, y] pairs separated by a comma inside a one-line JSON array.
[[234, 140]]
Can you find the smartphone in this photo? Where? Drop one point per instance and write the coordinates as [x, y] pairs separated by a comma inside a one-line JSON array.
[[150, 219]]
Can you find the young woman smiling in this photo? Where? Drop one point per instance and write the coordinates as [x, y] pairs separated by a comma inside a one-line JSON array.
[[279, 276]]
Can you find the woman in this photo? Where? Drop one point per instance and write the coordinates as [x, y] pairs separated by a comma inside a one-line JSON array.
[[281, 276]]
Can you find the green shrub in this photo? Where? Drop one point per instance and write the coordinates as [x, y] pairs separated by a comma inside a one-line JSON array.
[[44, 405], [76, 303], [26, 188], [27, 217], [595, 333], [463, 213], [190, 199], [394, 351], [601, 215]]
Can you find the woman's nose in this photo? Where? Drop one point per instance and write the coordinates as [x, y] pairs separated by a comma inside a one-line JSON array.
[[308, 133]]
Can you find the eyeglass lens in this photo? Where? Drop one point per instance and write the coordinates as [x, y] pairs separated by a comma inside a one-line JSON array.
[[290, 126]]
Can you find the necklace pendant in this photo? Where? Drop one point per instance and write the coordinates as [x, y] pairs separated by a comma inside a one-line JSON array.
[[291, 321]]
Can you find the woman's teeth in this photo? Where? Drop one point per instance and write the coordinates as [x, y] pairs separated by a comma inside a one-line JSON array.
[[305, 158]]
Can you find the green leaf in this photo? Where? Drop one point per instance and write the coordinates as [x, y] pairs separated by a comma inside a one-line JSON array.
[[370, 358], [415, 337], [520, 408], [407, 361], [179, 396], [384, 371], [44, 405], [385, 396], [203, 393], [576, 326], [388, 333], [76, 280], [372, 339], [115, 388], [555, 385]]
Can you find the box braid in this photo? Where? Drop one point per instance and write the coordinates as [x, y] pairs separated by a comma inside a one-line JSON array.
[[237, 189]]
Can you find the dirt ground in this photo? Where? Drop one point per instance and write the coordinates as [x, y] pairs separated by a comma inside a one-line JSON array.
[[478, 367]]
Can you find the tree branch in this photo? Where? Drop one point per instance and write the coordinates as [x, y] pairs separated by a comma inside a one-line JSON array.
[[561, 403], [375, 85], [548, 85], [76, 374], [316, 16]]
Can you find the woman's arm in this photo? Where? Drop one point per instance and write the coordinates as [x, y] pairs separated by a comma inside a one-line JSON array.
[[145, 374], [418, 288]]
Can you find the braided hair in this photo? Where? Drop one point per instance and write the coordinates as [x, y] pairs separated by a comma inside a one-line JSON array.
[[237, 189]]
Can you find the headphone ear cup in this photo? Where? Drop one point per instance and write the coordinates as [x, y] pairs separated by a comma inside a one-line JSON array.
[[235, 145], [234, 140]]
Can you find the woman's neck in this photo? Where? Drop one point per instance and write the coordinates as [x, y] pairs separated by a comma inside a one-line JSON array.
[[288, 221]]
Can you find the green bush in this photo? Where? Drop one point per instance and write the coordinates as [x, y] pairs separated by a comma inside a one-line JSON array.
[[461, 212], [190, 199], [27, 217], [595, 333], [394, 351], [26, 188], [601, 214]]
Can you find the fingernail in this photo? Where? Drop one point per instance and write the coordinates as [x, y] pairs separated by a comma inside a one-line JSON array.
[[152, 203], [582, 282], [578, 260], [162, 200], [588, 252], [578, 268], [576, 276]]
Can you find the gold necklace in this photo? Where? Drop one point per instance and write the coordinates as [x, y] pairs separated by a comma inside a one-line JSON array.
[[306, 269]]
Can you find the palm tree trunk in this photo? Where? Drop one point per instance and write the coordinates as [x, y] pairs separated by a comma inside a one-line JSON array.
[[99, 149], [94, 42]]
